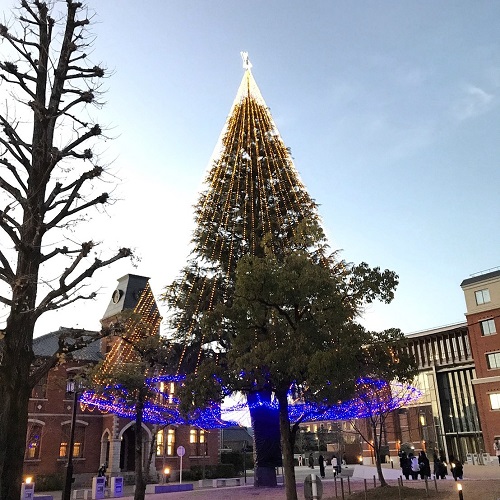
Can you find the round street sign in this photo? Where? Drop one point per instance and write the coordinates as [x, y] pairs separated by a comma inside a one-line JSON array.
[[181, 451]]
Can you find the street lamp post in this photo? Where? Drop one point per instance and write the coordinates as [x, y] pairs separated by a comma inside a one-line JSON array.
[[66, 493]]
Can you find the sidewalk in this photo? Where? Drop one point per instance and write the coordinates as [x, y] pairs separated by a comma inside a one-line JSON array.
[[472, 475]]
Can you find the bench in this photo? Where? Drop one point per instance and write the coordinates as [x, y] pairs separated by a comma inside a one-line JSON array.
[[233, 481], [172, 488], [86, 494]]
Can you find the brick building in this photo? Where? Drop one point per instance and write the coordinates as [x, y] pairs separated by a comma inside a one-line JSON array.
[[102, 438], [482, 298]]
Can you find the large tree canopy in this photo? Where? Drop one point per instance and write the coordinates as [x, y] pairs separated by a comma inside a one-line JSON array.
[[291, 331], [50, 166]]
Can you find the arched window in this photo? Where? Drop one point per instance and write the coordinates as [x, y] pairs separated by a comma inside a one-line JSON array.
[[198, 443], [40, 389], [79, 442], [33, 441], [165, 442]]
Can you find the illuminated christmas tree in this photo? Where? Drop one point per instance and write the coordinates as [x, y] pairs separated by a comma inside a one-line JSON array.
[[256, 207], [254, 201]]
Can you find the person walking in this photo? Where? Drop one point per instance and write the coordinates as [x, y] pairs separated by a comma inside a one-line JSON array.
[[405, 464], [415, 468], [311, 461], [321, 462], [425, 467], [496, 448], [300, 460], [440, 469], [457, 468]]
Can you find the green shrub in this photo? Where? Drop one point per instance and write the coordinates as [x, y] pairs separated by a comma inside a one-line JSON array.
[[48, 482], [236, 458], [211, 472]]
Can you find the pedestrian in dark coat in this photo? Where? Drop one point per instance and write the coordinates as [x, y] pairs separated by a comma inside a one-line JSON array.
[[405, 464], [425, 467], [321, 462], [441, 470], [311, 461], [457, 468]]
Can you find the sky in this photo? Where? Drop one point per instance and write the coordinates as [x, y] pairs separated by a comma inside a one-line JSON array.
[[391, 110]]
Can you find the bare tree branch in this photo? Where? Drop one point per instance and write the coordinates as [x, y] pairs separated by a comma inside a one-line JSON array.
[[6, 270], [64, 287]]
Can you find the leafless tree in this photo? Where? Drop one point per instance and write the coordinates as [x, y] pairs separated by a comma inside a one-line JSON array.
[[49, 166]]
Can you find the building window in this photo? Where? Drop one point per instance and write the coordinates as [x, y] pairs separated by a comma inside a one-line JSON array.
[[495, 401], [488, 327], [170, 442], [168, 447], [78, 442], [482, 296], [197, 442], [493, 360], [159, 443], [40, 389], [33, 442]]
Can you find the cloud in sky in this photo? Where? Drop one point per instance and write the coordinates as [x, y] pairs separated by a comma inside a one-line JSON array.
[[473, 102]]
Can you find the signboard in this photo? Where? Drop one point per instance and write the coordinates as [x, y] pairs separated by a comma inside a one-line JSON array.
[[117, 487], [28, 491], [181, 451], [98, 486]]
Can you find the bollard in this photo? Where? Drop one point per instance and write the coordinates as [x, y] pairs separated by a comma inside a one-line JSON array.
[[400, 485], [426, 487], [348, 485], [460, 494], [342, 487], [313, 488], [374, 482], [335, 482], [435, 484], [366, 490]]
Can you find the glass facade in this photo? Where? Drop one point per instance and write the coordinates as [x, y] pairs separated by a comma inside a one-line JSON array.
[[444, 358]]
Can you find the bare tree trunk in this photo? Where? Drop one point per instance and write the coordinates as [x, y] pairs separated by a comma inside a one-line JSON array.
[[287, 442], [14, 395], [376, 450], [16, 360]]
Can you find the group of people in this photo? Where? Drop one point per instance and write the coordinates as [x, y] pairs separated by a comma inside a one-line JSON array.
[[322, 462], [415, 466]]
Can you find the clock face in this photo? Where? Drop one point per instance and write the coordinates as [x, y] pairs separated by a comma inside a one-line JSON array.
[[117, 294]]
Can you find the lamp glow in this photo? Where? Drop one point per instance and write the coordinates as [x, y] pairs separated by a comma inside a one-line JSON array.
[[28, 480]]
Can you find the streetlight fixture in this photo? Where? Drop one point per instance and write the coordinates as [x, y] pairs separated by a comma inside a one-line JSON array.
[[72, 386]]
